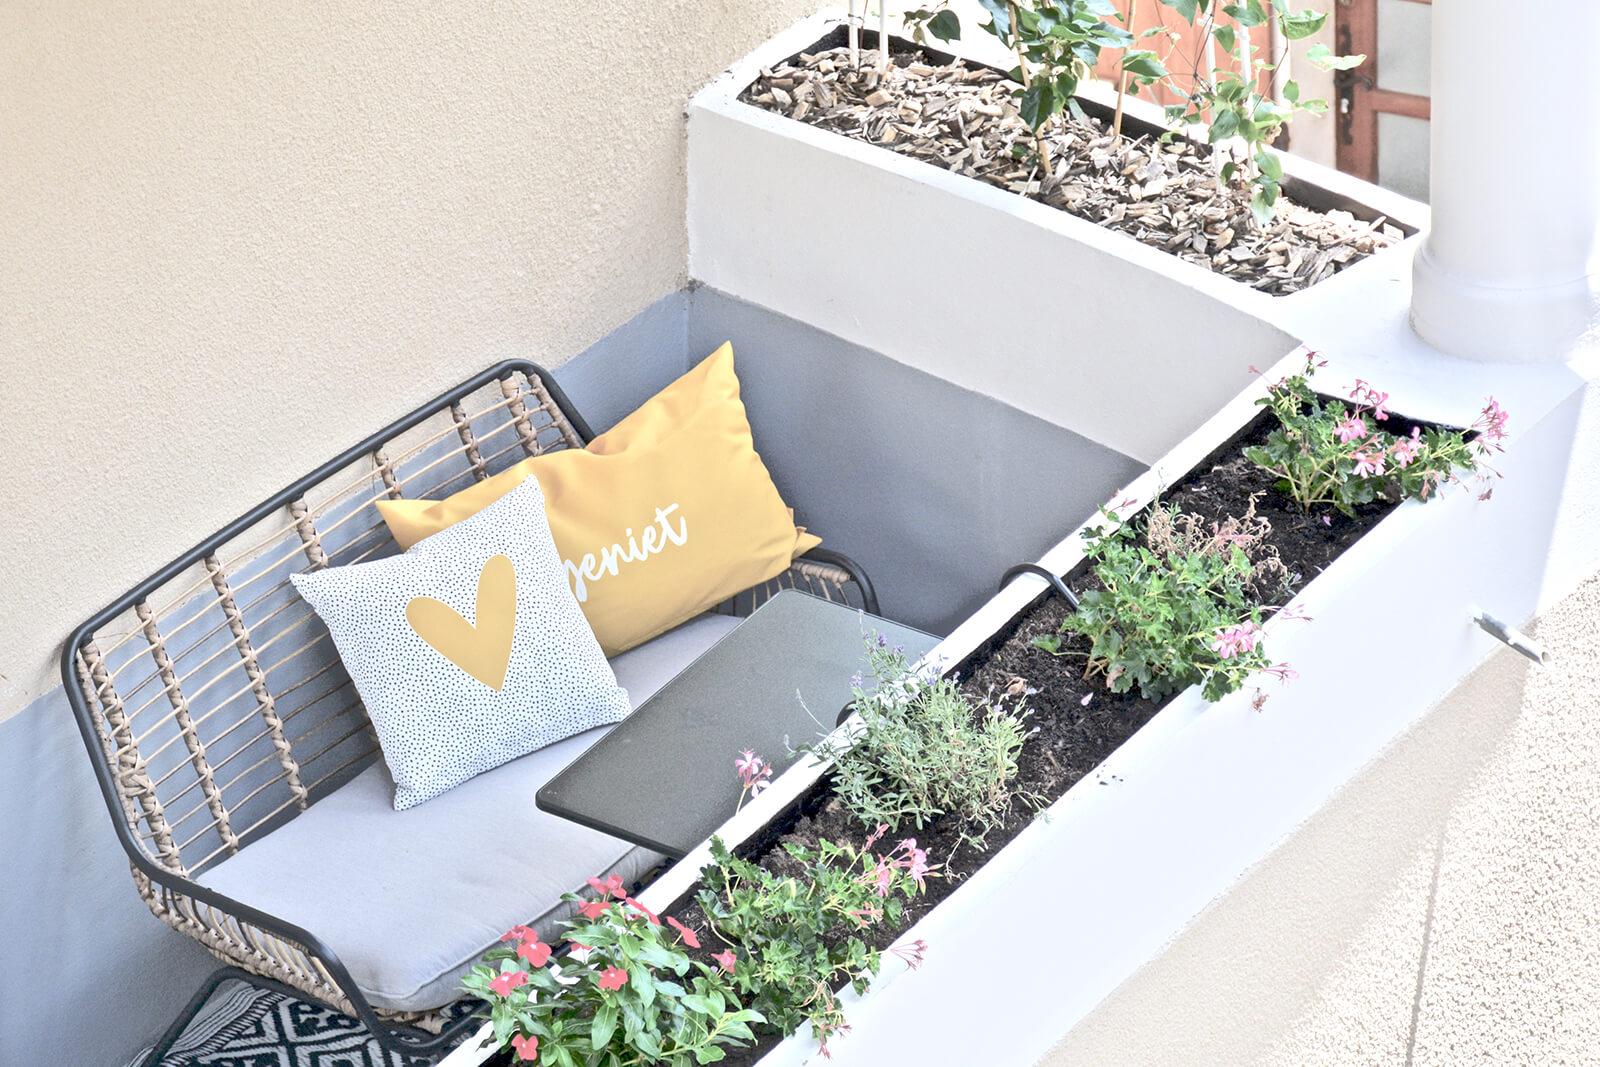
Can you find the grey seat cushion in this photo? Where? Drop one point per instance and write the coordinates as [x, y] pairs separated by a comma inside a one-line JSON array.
[[410, 899]]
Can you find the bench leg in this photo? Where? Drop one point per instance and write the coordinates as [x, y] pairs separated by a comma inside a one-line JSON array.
[[386, 1039], [185, 1017]]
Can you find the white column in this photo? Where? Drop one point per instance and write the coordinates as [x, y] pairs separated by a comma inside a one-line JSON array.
[[1507, 272]]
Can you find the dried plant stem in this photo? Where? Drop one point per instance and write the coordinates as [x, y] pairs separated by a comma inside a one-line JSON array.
[[1027, 83], [1122, 83], [855, 37]]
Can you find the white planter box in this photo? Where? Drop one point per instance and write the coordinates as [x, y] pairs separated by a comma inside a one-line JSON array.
[[836, 232], [1204, 792]]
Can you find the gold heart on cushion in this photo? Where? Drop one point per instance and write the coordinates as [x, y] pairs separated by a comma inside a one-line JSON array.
[[483, 648]]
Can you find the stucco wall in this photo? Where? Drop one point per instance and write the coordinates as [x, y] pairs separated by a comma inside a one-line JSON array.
[[1440, 910], [236, 238]]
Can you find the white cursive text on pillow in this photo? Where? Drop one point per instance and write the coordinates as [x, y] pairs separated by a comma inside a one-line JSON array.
[[652, 541]]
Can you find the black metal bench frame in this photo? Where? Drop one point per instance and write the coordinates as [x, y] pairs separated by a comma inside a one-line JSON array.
[[268, 951]]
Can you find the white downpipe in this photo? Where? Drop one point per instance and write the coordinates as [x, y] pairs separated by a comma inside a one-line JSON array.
[[1507, 272]]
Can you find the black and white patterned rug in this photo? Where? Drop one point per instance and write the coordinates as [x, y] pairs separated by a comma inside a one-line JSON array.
[[242, 1026]]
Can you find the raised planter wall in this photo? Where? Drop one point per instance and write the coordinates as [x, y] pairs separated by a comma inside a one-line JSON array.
[[976, 285], [1119, 865]]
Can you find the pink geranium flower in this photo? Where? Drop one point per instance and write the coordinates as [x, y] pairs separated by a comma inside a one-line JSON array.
[[1368, 464], [1491, 427], [1236, 640], [911, 953], [527, 1047], [725, 960], [915, 861], [613, 978], [754, 772], [684, 932], [536, 952], [508, 981], [1352, 429], [1405, 449]]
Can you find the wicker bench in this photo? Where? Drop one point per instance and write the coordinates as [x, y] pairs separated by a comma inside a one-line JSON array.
[[243, 777]]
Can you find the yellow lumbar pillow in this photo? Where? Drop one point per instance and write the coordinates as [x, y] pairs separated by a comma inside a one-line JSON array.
[[664, 515]]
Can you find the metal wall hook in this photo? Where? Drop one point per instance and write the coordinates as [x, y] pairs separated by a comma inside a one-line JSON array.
[[1511, 637]]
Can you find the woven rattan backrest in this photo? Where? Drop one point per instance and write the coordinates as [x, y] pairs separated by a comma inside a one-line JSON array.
[[217, 698]]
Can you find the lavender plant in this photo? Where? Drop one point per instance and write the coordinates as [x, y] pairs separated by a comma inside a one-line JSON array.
[[923, 750]]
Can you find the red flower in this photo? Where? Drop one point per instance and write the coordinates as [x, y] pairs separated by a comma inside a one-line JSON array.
[[527, 1047], [520, 933], [536, 952], [612, 886], [725, 960], [647, 912], [612, 978], [593, 909], [684, 932], [509, 981], [580, 948]]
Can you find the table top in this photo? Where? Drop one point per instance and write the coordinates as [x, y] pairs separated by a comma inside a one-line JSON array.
[[664, 776]]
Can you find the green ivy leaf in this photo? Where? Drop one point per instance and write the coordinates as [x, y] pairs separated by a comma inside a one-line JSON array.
[[1323, 59], [1225, 125], [1270, 164], [1189, 9], [1225, 37], [946, 26], [1264, 204], [1000, 14], [1035, 106], [1248, 15], [1302, 24]]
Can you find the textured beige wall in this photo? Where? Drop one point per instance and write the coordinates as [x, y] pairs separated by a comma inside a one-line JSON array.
[[1443, 909], [234, 238]]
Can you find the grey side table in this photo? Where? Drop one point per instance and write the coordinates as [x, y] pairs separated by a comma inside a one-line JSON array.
[[664, 776]]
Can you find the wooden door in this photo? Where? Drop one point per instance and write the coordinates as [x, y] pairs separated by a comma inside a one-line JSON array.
[[1383, 105]]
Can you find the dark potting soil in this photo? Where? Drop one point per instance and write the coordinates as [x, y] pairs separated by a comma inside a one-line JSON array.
[[1070, 737]]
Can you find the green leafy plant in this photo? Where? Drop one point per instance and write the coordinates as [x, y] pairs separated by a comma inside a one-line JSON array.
[[1228, 94], [795, 939], [921, 749], [1182, 603], [1057, 44], [625, 995], [1325, 452]]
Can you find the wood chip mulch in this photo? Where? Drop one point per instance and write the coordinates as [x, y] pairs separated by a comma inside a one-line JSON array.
[[1167, 195]]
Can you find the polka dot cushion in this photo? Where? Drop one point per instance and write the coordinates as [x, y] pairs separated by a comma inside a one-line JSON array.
[[468, 650]]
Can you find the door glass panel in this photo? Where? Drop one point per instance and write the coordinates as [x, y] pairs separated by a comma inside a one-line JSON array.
[[1405, 38], [1403, 154]]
